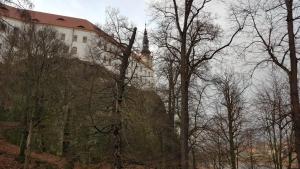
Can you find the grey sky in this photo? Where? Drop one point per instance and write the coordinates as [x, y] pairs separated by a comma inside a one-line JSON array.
[[94, 10]]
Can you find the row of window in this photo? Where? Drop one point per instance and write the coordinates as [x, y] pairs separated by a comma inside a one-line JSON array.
[[3, 27], [74, 38]]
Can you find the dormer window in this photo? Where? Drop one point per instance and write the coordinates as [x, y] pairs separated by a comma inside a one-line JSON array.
[[35, 20], [2, 7], [80, 26], [60, 19]]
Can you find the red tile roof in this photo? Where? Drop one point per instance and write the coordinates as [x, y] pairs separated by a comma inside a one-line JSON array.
[[52, 19], [46, 18]]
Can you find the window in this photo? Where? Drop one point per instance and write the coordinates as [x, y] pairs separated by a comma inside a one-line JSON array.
[[35, 20], [105, 47], [104, 59], [0, 45], [99, 43], [74, 38], [109, 61], [60, 19], [62, 36], [16, 31], [2, 26], [74, 50], [66, 49], [84, 39]]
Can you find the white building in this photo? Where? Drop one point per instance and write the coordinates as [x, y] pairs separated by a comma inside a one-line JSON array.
[[82, 36]]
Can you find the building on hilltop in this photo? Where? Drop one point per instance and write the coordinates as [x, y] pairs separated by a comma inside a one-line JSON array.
[[81, 36]]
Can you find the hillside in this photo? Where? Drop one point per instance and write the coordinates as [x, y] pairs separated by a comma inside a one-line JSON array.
[[73, 101]]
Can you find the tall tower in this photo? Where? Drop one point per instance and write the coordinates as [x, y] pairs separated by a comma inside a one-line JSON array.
[[145, 51]]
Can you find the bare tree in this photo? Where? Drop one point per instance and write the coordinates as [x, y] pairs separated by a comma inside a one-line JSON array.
[[272, 25], [36, 52], [18, 3], [185, 27], [119, 46], [277, 122], [231, 123]]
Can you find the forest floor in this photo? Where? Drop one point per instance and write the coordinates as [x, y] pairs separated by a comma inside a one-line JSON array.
[[9, 154]]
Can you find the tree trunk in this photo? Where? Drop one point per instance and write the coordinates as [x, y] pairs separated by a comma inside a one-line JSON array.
[[184, 125], [118, 164], [231, 141], [67, 152], [23, 144], [194, 159], [28, 145], [293, 79], [171, 99]]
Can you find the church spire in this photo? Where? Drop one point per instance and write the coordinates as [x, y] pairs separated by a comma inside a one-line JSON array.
[[145, 50]]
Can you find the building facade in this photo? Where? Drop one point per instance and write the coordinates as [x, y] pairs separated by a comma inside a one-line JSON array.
[[86, 42]]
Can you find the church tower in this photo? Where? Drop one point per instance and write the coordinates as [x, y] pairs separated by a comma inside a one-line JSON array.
[[145, 51]]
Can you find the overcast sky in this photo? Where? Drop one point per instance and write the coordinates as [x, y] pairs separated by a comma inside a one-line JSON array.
[[94, 10]]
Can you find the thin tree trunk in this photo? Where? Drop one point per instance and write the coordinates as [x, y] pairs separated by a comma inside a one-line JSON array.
[[23, 141], [28, 145], [67, 152], [171, 99], [231, 141], [194, 159], [184, 129], [118, 164]]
